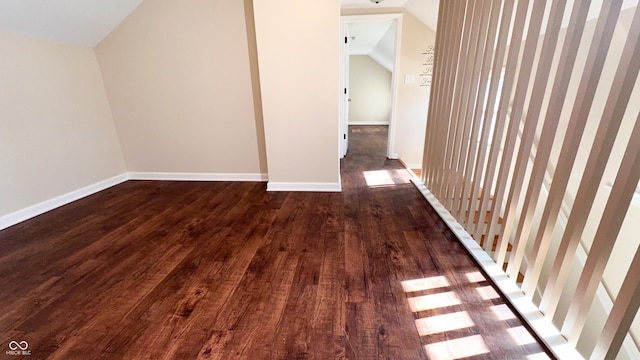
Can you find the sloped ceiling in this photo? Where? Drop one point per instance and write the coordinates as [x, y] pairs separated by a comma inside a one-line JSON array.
[[87, 22], [377, 38], [384, 52], [365, 36], [425, 10], [79, 22]]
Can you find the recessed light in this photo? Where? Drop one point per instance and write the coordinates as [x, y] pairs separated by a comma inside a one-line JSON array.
[[376, 1]]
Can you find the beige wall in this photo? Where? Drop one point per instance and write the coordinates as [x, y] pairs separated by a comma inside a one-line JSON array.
[[56, 133], [413, 99], [178, 78], [298, 53], [369, 91]]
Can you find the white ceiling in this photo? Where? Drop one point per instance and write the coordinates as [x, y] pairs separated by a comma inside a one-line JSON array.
[[425, 10], [366, 35], [87, 22], [80, 22], [374, 38], [363, 4]]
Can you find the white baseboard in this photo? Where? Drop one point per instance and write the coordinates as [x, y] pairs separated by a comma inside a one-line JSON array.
[[171, 176], [548, 333], [410, 165], [304, 186], [369, 123], [47, 205]]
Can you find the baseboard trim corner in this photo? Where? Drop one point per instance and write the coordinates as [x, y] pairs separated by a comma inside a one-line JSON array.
[[48, 205], [304, 186], [410, 165], [175, 176]]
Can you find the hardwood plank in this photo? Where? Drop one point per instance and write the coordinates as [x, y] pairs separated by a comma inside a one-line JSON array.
[[223, 270]]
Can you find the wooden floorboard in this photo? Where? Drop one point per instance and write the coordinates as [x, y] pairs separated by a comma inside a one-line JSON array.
[[223, 270]]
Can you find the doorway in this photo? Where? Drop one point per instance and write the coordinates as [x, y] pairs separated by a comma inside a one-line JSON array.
[[369, 32]]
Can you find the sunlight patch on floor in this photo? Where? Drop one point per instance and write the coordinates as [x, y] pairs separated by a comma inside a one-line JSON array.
[[502, 312], [475, 277], [378, 178], [381, 178], [487, 293], [442, 318], [434, 282], [457, 348], [443, 323], [521, 336], [434, 301]]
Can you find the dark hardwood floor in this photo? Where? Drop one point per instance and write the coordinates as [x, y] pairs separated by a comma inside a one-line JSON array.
[[223, 270]]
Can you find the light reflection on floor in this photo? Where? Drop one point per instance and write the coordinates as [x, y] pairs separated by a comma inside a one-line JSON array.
[[449, 331], [502, 312], [487, 293], [443, 323], [521, 336], [385, 178], [475, 277], [457, 348], [434, 282], [433, 301]]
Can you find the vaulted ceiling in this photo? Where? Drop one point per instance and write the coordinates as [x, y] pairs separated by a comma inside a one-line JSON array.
[[377, 38], [79, 22], [425, 10], [87, 22]]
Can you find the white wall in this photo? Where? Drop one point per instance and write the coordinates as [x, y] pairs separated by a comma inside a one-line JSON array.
[[369, 91], [298, 52], [179, 81], [56, 133]]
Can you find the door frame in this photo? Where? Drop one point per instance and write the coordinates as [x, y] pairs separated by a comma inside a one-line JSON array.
[[395, 79]]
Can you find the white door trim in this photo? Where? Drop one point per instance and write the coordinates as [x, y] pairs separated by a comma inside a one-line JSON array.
[[343, 123], [395, 76]]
